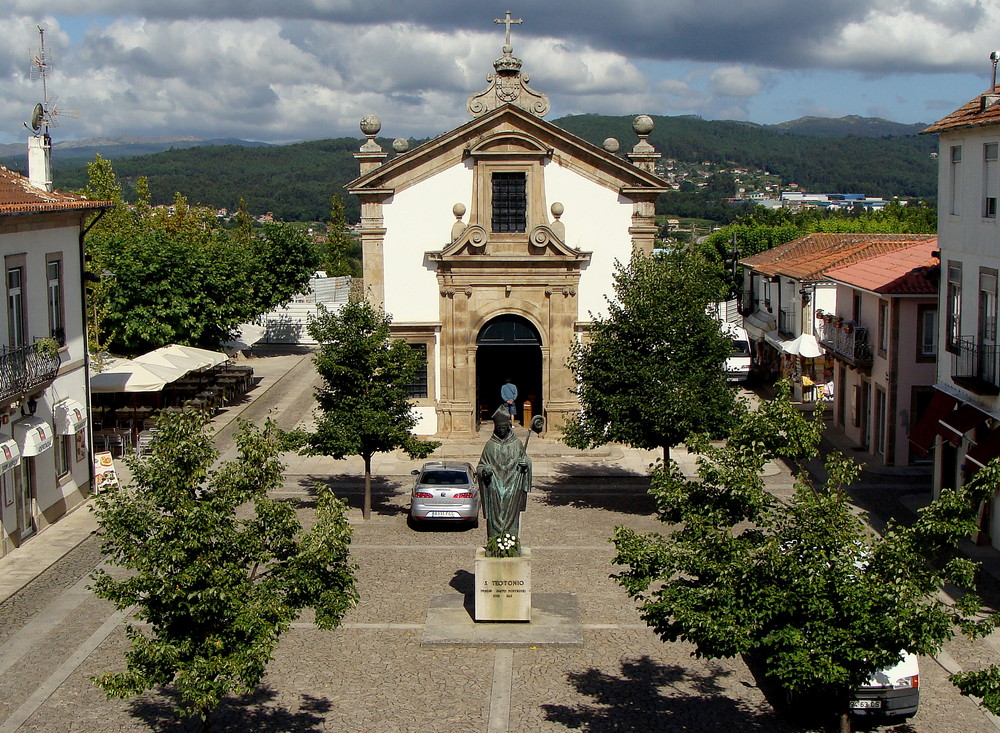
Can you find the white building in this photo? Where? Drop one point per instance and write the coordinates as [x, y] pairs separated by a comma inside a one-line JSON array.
[[492, 244], [45, 460], [962, 424]]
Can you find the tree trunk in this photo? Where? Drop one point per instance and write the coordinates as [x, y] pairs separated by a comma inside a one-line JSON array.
[[845, 722], [666, 455], [206, 720], [366, 511]]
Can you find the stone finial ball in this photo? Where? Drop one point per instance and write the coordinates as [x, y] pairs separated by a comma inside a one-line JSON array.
[[400, 145], [458, 210], [370, 125], [611, 145], [642, 125], [557, 209]]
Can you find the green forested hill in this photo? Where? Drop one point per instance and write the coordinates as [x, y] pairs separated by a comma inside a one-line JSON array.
[[892, 166], [296, 181]]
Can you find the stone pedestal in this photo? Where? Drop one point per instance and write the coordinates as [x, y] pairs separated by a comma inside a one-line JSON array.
[[503, 587]]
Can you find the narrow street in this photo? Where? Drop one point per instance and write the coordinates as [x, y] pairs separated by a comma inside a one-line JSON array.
[[382, 671]]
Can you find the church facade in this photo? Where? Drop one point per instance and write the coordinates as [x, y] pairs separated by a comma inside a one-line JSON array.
[[492, 244]]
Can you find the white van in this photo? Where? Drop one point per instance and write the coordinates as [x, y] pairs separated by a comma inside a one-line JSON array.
[[892, 693], [738, 364]]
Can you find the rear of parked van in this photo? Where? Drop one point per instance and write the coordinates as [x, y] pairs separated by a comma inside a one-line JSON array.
[[738, 364]]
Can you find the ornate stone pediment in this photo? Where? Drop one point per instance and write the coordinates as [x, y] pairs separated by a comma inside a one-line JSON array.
[[507, 143], [508, 89], [508, 85]]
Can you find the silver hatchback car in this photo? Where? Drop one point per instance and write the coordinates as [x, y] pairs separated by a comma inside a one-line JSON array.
[[445, 490]]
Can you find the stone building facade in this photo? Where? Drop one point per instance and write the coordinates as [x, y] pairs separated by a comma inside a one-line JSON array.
[[492, 244]]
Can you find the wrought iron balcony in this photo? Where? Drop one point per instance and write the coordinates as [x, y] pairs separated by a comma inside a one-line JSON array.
[[847, 341], [25, 369], [974, 366]]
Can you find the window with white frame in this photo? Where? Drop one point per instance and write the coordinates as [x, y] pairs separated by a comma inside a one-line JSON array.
[[926, 332], [953, 323], [883, 326], [53, 273], [954, 182], [62, 453], [15, 306], [990, 153]]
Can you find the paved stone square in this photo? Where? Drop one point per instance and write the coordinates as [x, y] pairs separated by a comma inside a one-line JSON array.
[[374, 675]]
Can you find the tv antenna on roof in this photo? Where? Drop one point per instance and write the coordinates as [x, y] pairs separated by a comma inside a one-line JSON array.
[[44, 113]]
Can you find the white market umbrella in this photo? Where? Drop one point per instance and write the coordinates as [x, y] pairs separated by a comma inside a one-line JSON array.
[[161, 357], [213, 358], [805, 346], [129, 376]]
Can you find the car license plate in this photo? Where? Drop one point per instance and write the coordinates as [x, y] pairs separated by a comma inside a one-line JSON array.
[[866, 704], [443, 515]]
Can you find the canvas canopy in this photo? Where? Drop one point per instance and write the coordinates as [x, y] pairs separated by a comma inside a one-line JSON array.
[[130, 376], [10, 454], [33, 436], [180, 362], [805, 346], [69, 416], [209, 358]]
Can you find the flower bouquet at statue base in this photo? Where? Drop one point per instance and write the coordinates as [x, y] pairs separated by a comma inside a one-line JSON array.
[[503, 545]]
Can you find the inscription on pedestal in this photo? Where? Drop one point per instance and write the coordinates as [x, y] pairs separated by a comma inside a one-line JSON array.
[[503, 587]]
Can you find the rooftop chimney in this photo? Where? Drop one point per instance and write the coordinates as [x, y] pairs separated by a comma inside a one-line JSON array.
[[40, 162]]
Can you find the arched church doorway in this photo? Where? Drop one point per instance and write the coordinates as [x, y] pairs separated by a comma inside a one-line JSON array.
[[508, 347]]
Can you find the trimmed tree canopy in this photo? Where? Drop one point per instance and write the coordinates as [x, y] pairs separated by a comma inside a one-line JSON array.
[[651, 372]]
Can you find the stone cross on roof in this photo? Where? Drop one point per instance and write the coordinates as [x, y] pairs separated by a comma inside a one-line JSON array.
[[508, 21], [508, 85]]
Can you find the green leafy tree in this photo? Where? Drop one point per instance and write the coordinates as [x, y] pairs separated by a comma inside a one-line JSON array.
[[216, 568], [177, 276], [804, 586], [340, 251], [364, 407], [651, 372]]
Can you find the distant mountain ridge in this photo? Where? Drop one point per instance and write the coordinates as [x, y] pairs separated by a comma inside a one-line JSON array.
[[849, 125], [295, 181], [123, 146]]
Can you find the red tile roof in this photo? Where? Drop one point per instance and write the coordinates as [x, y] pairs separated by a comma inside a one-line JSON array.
[[808, 258], [18, 196], [912, 270], [971, 114]]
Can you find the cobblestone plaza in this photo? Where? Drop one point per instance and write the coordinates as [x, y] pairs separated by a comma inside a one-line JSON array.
[[375, 674]]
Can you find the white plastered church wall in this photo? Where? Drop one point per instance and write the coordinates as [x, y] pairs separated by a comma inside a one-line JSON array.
[[419, 220], [597, 220]]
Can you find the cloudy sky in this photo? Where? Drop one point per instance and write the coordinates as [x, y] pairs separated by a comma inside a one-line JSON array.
[[308, 69]]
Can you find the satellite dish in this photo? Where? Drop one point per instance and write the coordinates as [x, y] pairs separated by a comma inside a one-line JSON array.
[[36, 117]]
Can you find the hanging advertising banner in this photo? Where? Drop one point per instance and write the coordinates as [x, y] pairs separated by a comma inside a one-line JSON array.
[[105, 475]]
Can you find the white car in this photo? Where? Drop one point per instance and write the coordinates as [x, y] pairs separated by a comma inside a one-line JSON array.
[[892, 692]]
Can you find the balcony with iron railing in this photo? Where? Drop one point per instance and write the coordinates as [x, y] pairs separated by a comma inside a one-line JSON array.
[[846, 341], [974, 366], [26, 369]]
